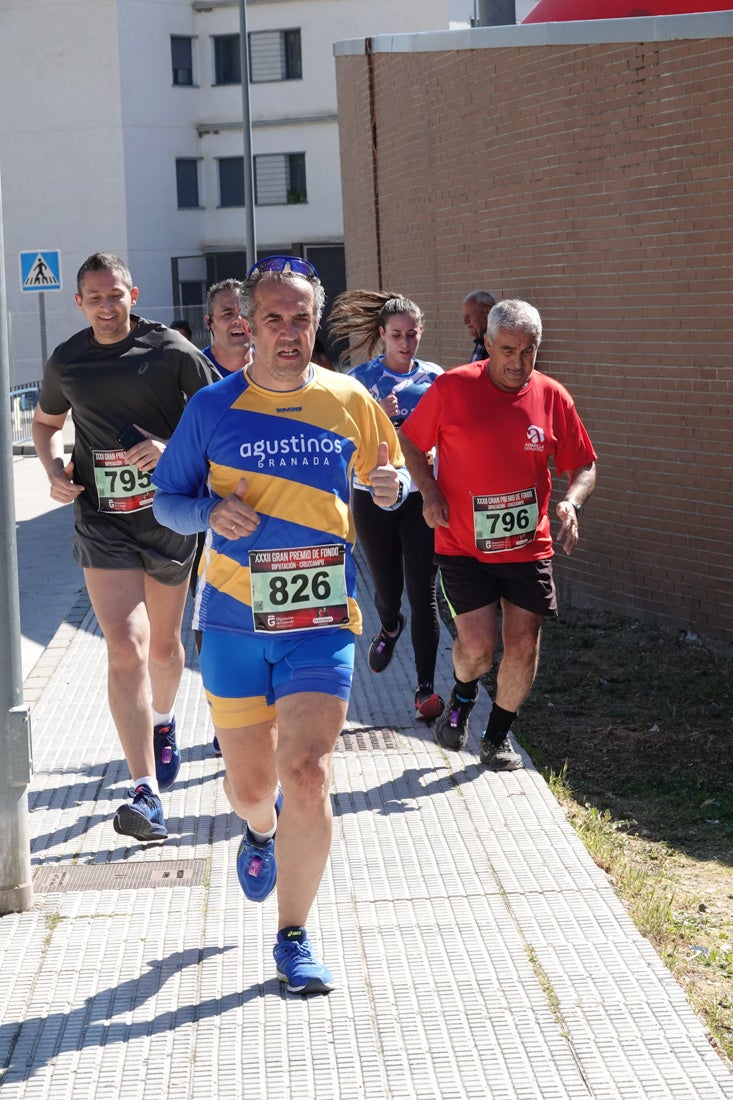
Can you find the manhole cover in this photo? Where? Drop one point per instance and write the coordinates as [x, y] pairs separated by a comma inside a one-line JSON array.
[[366, 739], [61, 878]]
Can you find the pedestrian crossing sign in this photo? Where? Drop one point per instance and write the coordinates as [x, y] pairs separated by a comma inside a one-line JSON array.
[[40, 269]]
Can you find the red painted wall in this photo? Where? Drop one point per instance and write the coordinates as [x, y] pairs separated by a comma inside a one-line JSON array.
[[560, 11]]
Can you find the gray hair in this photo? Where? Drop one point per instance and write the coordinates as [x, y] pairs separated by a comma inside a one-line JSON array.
[[217, 288], [483, 297], [249, 285], [514, 315]]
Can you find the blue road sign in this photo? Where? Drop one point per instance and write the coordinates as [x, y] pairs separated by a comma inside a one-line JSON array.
[[40, 269]]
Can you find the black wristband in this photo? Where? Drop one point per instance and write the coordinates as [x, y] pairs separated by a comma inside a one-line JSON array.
[[577, 508]]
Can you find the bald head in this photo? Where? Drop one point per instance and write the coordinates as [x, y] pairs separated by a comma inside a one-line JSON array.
[[476, 307]]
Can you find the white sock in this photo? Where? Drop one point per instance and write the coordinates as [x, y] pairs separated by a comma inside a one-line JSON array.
[[162, 719], [149, 781], [262, 838]]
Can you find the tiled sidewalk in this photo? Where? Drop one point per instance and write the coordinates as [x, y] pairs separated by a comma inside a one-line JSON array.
[[477, 950]]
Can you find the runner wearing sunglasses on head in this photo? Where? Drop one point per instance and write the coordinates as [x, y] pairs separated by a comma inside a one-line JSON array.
[[263, 463]]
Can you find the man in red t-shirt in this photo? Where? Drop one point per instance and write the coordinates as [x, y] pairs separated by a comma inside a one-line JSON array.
[[495, 424]]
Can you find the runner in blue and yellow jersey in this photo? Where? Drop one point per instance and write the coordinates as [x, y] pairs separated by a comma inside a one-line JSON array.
[[263, 462]]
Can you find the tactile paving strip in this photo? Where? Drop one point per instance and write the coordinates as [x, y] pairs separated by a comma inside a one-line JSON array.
[[477, 950]]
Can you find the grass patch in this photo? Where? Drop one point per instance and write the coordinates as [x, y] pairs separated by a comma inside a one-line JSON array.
[[52, 921], [548, 989], [632, 726]]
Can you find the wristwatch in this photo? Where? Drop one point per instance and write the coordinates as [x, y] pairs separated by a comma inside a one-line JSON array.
[[576, 507]]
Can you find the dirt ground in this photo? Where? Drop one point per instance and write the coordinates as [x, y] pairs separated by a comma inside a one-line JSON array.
[[639, 721], [644, 719]]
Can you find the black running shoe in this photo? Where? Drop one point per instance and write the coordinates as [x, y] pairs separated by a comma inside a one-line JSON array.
[[501, 757], [382, 647], [451, 727]]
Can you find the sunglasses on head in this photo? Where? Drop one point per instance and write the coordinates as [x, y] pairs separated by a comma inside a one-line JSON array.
[[293, 264]]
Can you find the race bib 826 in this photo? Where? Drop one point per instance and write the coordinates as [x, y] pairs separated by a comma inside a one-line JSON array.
[[299, 588]]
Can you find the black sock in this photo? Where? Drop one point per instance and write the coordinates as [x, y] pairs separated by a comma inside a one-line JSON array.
[[500, 722], [465, 689], [292, 932]]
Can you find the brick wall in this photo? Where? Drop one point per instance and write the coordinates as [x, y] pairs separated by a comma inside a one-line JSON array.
[[595, 181]]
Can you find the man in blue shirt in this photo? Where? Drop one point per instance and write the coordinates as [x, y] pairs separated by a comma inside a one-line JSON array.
[[231, 345], [263, 463]]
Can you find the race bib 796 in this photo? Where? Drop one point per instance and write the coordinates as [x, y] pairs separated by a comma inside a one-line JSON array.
[[505, 521]]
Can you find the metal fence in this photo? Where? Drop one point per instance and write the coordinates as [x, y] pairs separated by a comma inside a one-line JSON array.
[[23, 400]]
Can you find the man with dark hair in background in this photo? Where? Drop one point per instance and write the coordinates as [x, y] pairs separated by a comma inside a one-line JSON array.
[[126, 381], [181, 325]]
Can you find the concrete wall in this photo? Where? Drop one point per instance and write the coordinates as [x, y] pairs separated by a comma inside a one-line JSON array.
[[587, 170]]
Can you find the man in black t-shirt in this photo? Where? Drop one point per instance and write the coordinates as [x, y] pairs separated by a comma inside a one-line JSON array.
[[126, 381]]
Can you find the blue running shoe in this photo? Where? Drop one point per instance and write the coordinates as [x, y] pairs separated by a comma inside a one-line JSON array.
[[256, 867], [167, 756], [298, 966], [143, 818]]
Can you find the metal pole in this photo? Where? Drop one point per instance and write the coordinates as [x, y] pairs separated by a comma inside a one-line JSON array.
[[42, 316], [250, 242], [16, 887]]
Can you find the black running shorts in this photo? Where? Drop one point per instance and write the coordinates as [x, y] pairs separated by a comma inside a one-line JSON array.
[[469, 584], [113, 542]]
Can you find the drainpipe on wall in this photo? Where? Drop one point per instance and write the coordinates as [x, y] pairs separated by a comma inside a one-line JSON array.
[[375, 160]]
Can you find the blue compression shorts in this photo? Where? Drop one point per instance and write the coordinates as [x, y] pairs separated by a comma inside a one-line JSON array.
[[244, 674]]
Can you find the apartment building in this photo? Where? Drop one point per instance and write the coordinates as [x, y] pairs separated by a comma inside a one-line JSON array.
[[121, 130]]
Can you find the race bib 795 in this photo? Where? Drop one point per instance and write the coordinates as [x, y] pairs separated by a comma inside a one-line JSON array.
[[120, 487]]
